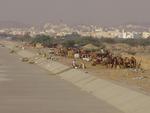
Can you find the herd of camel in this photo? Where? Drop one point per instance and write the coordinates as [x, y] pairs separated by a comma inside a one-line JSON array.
[[104, 57], [114, 61]]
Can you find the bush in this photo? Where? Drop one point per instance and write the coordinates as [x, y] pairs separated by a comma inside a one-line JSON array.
[[81, 41], [131, 42], [86, 40], [68, 43], [45, 40], [72, 39]]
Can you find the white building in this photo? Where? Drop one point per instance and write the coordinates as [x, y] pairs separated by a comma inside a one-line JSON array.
[[146, 34], [125, 35]]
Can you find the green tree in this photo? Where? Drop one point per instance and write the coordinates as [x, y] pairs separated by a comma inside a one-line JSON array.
[[45, 40]]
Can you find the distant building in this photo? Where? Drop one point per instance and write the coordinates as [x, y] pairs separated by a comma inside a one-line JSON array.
[[146, 34], [125, 35]]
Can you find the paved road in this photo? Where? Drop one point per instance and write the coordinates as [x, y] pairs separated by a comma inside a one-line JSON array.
[[26, 88]]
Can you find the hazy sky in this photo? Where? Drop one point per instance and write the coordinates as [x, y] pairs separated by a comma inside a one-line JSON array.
[[101, 12]]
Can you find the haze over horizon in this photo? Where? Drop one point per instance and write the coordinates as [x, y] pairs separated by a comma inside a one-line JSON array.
[[97, 12]]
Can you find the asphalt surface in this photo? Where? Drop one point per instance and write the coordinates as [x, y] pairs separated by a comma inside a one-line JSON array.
[[26, 88]]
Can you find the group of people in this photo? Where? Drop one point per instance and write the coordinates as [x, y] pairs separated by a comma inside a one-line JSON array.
[[75, 65]]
